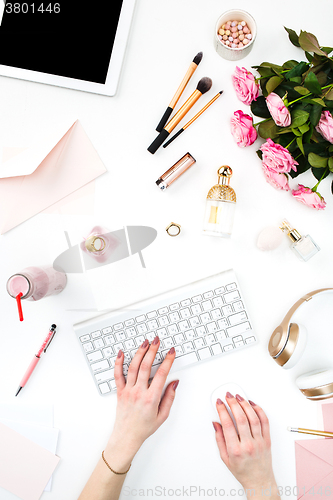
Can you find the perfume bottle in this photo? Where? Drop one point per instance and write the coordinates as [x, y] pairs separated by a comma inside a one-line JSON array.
[[303, 246], [220, 206], [100, 243]]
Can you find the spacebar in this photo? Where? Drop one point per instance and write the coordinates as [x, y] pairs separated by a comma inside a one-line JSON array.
[[182, 361]]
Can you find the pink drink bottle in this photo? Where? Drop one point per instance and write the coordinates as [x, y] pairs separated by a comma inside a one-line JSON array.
[[34, 283]]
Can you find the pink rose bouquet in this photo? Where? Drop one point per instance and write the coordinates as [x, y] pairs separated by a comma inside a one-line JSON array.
[[325, 126], [309, 197], [278, 110], [245, 85], [242, 129]]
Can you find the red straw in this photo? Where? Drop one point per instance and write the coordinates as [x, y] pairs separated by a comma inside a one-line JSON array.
[[19, 305]]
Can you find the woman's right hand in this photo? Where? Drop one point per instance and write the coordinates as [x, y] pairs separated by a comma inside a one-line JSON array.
[[247, 454]]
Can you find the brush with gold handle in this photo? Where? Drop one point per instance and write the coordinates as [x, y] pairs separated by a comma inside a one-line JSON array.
[[193, 66], [310, 431], [192, 119], [203, 86]]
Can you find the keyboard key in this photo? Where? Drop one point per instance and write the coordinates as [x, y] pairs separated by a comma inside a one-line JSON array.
[[141, 318], [98, 343], [118, 347], [183, 325], [84, 338], [206, 305], [168, 342], [237, 338], [96, 334], [199, 343], [204, 353], [129, 344], [227, 310], [174, 306], [174, 317], [129, 322], [101, 365], [197, 298], [200, 330], [139, 340], [109, 340], [118, 326], [189, 334], [221, 335], [179, 338], [216, 348], [239, 344], [186, 302], [88, 347], [231, 296], [208, 295], [107, 352], [188, 347], [230, 287], [218, 301], [162, 333], [211, 327], [185, 313], [103, 376], [127, 358], [94, 356], [152, 325], [196, 309], [172, 329], [125, 370], [228, 347], [131, 332], [163, 320], [120, 336], [249, 340], [163, 310], [216, 314], [222, 324], [234, 319], [195, 321], [238, 306], [107, 330], [104, 388], [112, 361], [238, 329], [150, 336], [179, 350], [205, 317], [142, 328], [210, 339], [219, 290], [151, 314]]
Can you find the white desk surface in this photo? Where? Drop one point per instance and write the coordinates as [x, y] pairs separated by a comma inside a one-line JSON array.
[[164, 39]]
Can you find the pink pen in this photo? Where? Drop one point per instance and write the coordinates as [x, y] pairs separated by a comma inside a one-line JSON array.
[[36, 358]]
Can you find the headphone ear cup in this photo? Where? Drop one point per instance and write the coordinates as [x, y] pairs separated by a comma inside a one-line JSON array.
[[316, 385], [297, 350]]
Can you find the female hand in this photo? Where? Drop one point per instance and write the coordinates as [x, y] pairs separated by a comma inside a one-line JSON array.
[[141, 408], [247, 454]]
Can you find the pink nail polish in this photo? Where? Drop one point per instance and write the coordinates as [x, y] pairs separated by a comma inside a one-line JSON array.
[[119, 353], [252, 403], [175, 385], [229, 395], [172, 350], [215, 426], [144, 344], [156, 340], [239, 398], [219, 401]]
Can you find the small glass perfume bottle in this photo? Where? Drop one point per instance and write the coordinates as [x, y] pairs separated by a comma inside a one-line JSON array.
[[220, 206], [303, 246]]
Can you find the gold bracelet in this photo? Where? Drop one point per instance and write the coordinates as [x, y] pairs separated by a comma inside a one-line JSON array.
[[114, 472]]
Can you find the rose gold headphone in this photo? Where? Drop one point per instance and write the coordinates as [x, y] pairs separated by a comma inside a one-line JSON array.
[[286, 347]]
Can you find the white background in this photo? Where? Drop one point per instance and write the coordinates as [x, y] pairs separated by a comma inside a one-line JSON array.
[[165, 37]]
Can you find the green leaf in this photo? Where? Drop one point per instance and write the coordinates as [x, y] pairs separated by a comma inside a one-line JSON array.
[[297, 132], [298, 117], [259, 107], [302, 90], [315, 114], [290, 64], [304, 128], [300, 144], [318, 101], [273, 67], [330, 163], [273, 83], [259, 153], [268, 129], [312, 84], [309, 43], [329, 95], [293, 37], [317, 161], [328, 50], [320, 173], [297, 70], [296, 79]]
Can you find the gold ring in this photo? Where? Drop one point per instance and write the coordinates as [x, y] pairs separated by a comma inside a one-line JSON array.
[[90, 244], [173, 224]]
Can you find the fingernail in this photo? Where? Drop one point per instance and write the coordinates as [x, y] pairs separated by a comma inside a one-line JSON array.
[[175, 385], [215, 426], [219, 401], [229, 395], [119, 353], [239, 398], [252, 403], [145, 343], [156, 340], [172, 350]]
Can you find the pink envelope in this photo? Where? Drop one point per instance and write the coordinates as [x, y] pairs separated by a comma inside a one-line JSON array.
[[46, 173], [314, 468]]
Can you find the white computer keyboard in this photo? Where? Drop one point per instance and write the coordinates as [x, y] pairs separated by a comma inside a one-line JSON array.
[[201, 320]]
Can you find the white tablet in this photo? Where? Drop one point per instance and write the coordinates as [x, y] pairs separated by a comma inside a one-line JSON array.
[[85, 54]]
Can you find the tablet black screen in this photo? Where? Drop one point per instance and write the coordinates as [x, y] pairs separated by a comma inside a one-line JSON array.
[[68, 38]]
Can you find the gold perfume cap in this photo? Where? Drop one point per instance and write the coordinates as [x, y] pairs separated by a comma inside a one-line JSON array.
[[291, 232], [222, 191]]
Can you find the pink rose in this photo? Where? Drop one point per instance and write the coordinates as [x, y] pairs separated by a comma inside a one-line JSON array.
[[277, 158], [244, 83], [242, 129], [325, 126], [308, 197], [279, 181], [278, 110]]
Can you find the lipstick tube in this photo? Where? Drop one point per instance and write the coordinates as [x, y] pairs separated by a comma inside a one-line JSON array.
[[175, 171]]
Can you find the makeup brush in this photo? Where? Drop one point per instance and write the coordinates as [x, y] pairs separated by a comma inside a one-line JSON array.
[[203, 86], [193, 66], [193, 119], [310, 431]]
